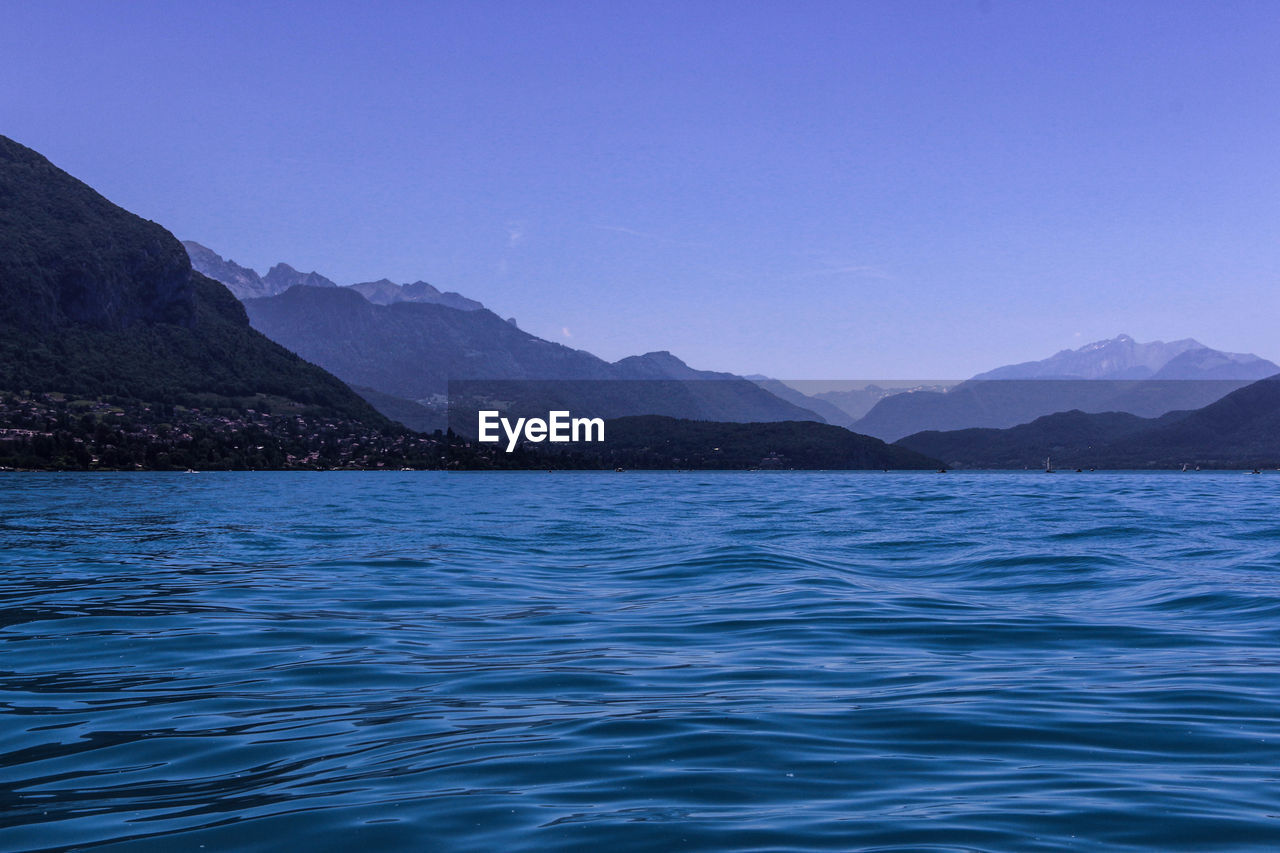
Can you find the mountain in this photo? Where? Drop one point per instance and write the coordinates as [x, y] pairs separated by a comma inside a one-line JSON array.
[[413, 415], [281, 277], [856, 402], [1204, 364], [1124, 358], [105, 330], [247, 284], [1118, 358], [410, 349], [1116, 375], [1003, 403], [243, 282], [651, 441], [414, 350], [391, 341], [1071, 438], [1241, 430], [818, 404], [387, 292]]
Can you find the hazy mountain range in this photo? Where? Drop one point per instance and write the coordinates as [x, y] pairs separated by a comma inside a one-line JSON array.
[[410, 353], [386, 292], [855, 403], [1117, 375], [116, 353], [650, 441], [832, 414], [112, 344], [245, 283], [1122, 358], [1241, 430], [401, 345]]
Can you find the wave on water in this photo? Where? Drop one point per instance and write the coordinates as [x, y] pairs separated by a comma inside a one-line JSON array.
[[747, 661]]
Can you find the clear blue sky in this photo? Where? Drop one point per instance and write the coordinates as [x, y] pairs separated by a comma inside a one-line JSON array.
[[808, 190]]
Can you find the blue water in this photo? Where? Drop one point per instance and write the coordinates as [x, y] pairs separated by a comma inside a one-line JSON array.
[[647, 661]]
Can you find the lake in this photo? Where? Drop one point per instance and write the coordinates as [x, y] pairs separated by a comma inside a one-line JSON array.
[[647, 661]]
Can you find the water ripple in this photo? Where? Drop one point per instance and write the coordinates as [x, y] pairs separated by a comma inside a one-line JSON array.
[[816, 661]]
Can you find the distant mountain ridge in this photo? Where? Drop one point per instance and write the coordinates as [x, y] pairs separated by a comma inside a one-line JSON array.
[[245, 283], [412, 350], [281, 277], [857, 402], [832, 414], [1241, 430], [1203, 363], [1118, 375], [1073, 438], [408, 349], [387, 292], [654, 441], [400, 345], [1122, 357]]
